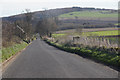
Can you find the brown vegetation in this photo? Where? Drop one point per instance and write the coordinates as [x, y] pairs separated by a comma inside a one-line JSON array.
[[8, 34], [22, 29]]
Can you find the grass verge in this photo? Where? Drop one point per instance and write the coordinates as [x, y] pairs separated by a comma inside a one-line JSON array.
[[99, 56], [12, 50]]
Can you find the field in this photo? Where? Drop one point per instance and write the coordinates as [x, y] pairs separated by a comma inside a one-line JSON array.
[[89, 32], [108, 37], [88, 19], [57, 35], [95, 14], [98, 33], [102, 33]]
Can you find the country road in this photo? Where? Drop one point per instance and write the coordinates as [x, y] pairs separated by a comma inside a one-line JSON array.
[[39, 60]]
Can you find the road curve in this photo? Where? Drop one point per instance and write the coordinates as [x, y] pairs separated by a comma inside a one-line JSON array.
[[40, 60]]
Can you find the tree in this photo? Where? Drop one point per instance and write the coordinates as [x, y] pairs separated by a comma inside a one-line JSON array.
[[46, 26], [8, 34], [26, 24], [79, 30]]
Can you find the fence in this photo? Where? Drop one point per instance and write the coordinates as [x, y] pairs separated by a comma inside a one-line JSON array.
[[97, 41]]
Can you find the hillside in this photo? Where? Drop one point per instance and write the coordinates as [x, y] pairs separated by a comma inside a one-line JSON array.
[[89, 19], [55, 12], [73, 16]]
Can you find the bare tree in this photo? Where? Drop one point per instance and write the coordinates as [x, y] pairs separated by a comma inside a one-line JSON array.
[[79, 30], [25, 23], [8, 34], [46, 26]]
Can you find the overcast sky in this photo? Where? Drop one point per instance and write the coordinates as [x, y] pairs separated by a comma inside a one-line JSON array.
[[13, 7]]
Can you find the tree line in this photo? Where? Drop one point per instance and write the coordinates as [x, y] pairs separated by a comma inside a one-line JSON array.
[[23, 29]]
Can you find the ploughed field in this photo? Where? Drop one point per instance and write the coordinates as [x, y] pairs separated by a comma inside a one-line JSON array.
[[88, 19]]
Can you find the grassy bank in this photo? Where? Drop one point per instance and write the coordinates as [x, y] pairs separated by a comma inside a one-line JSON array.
[[12, 50], [92, 53]]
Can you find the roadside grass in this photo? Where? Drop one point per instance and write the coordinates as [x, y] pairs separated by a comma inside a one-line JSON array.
[[12, 50], [93, 53], [95, 14]]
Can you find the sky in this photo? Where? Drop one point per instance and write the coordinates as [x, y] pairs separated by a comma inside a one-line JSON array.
[[13, 7]]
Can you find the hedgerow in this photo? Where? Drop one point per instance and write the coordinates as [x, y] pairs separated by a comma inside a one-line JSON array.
[[101, 56]]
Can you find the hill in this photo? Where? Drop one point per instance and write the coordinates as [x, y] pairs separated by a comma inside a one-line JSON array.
[[55, 12], [67, 17]]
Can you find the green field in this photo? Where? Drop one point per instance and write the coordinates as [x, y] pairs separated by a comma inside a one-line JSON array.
[[96, 14], [57, 35], [95, 33], [102, 33]]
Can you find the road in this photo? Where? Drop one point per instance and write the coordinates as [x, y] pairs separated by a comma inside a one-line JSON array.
[[40, 60]]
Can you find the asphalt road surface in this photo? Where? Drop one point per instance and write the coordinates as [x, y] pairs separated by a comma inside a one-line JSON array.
[[40, 60]]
